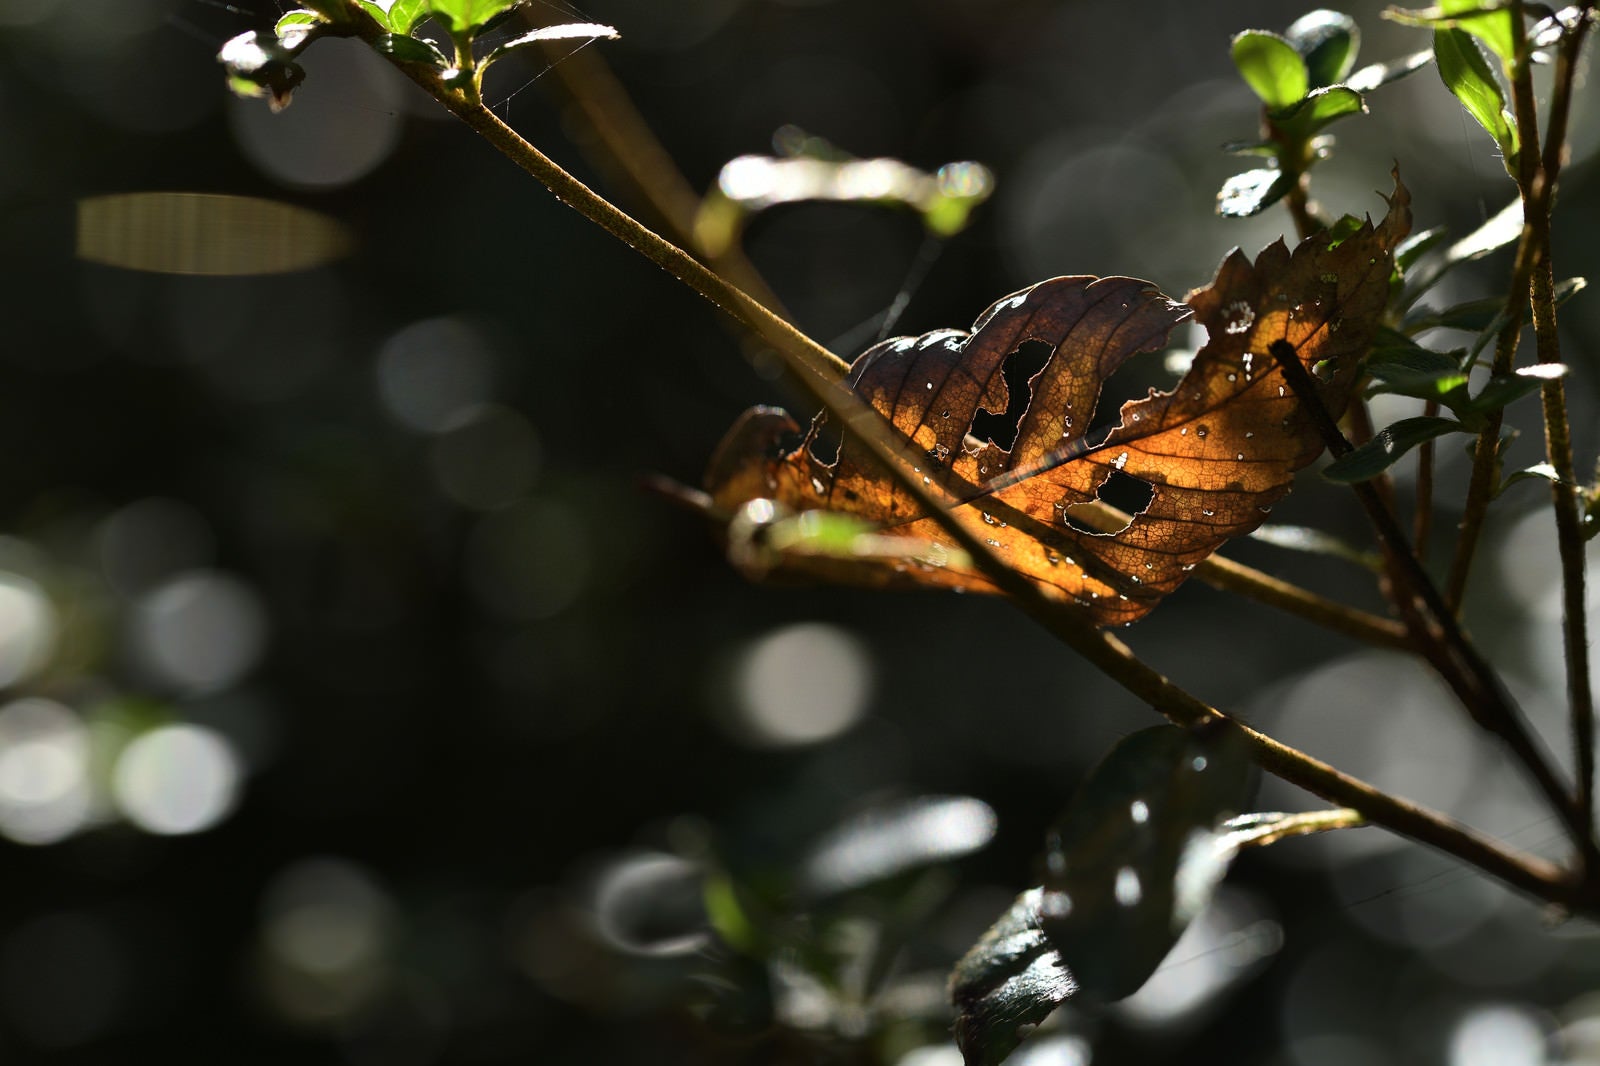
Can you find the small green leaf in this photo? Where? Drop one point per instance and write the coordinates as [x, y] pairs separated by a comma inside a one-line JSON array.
[[404, 49], [586, 31], [468, 17], [1374, 75], [1467, 75], [1271, 66], [1494, 28], [405, 14], [1318, 109], [1252, 192], [1328, 42], [1411, 370], [1387, 446], [1267, 149], [1507, 388]]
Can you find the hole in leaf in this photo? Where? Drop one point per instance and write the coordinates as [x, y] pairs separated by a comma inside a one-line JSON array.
[[1123, 491], [1021, 367]]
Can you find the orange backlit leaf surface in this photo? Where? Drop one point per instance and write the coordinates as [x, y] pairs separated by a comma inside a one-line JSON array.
[[1216, 452]]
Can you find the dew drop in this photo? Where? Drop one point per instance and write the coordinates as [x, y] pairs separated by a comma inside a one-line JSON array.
[[1120, 461], [1232, 376], [991, 542], [1183, 431], [930, 386], [1239, 457], [1249, 433], [1280, 390], [988, 519], [818, 487], [1208, 513], [1201, 432]]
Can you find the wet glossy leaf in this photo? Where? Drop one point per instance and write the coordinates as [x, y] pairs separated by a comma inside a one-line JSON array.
[[1002, 421], [1271, 67], [1252, 192], [1374, 75], [1469, 79], [1411, 370], [1137, 853], [1007, 984], [1328, 42], [1387, 446], [568, 31]]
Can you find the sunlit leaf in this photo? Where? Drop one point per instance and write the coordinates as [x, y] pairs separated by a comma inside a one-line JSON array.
[[1387, 446], [405, 14], [1328, 42], [1536, 472], [1016, 451], [1319, 108], [1252, 192], [570, 31], [1487, 20], [1469, 79], [467, 17], [1271, 67], [205, 234]]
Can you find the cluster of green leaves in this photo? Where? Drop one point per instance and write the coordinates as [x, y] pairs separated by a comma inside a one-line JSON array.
[[1306, 81], [263, 62]]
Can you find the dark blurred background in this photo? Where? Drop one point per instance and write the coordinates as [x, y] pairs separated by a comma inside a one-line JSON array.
[[350, 677]]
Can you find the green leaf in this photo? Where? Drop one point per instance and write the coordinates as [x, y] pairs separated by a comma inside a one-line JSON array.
[[586, 31], [1125, 871], [404, 49], [1506, 388], [1318, 109], [468, 17], [1271, 66], [1387, 446], [1138, 852], [1486, 20], [1328, 42], [1374, 75], [1494, 28], [405, 14], [1252, 192], [1474, 315], [1467, 75], [1411, 370]]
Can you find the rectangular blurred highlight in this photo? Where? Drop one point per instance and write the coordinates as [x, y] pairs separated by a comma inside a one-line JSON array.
[[205, 234]]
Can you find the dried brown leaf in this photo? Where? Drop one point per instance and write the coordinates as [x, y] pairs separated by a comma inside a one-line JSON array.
[[1216, 452]]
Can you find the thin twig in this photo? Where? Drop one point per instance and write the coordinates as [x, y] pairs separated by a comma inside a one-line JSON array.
[[1422, 520]]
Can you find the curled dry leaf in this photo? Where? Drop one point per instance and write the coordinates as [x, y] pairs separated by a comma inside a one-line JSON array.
[[1215, 453]]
